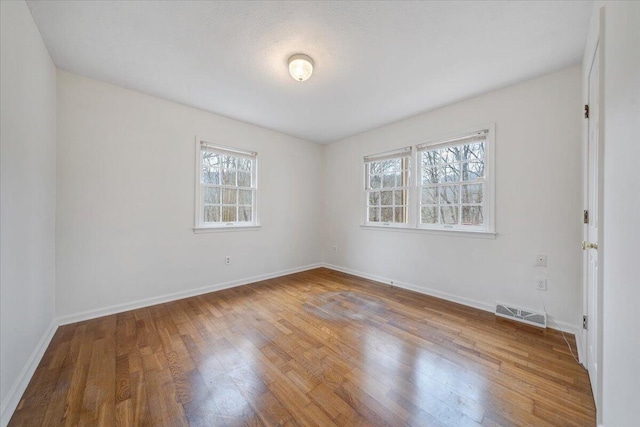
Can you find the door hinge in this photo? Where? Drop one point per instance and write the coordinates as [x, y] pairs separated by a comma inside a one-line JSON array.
[[586, 111], [584, 322], [585, 216]]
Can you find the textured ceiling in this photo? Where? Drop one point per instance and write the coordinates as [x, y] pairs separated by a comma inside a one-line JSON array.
[[375, 62]]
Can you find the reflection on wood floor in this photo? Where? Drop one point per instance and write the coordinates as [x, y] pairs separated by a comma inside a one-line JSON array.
[[314, 348]]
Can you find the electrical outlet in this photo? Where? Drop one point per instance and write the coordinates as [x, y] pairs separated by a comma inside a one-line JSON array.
[[541, 284], [227, 260], [541, 260], [334, 249]]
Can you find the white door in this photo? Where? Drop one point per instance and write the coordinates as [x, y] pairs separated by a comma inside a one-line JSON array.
[[590, 245]]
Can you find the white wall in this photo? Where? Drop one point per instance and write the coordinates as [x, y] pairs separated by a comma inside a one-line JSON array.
[[621, 281], [126, 199], [538, 203], [28, 198]]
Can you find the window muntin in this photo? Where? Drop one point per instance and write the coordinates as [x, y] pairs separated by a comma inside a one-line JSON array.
[[452, 183], [227, 187], [387, 187]]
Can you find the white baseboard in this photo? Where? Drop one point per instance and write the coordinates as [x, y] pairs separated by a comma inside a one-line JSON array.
[[481, 305], [119, 308], [562, 326], [10, 402], [420, 289], [581, 354]]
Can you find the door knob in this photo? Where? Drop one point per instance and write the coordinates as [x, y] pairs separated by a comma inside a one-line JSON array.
[[586, 245]]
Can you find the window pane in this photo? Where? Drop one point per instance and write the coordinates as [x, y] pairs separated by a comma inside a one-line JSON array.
[[211, 195], [472, 171], [244, 214], [429, 196], [449, 173], [244, 179], [244, 164], [228, 177], [398, 197], [399, 179], [449, 154], [210, 159], [375, 168], [391, 165], [212, 214], [429, 214], [449, 214], [374, 214], [472, 193], [229, 196], [449, 194], [386, 214], [210, 175], [374, 198], [386, 198], [398, 214], [245, 197], [375, 181], [228, 213], [429, 175], [472, 215], [228, 162], [388, 181], [473, 151], [429, 158]]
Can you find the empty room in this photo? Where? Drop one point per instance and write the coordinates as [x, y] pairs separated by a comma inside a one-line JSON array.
[[319, 213]]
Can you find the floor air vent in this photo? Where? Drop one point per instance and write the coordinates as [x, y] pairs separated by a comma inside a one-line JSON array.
[[525, 316]]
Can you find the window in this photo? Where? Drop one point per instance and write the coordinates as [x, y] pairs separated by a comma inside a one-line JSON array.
[[226, 187], [452, 189], [387, 187]]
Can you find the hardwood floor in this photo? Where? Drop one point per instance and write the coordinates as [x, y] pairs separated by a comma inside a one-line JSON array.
[[314, 348]]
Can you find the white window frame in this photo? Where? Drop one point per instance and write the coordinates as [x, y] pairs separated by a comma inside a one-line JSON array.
[[402, 153], [488, 229], [200, 224]]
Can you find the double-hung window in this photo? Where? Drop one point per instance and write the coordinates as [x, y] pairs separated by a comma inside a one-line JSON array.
[[452, 188], [387, 187], [226, 187], [453, 183]]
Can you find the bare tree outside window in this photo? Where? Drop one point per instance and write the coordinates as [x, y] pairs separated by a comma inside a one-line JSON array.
[[386, 184], [451, 185]]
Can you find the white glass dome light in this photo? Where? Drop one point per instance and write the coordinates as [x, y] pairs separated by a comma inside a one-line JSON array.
[[300, 67]]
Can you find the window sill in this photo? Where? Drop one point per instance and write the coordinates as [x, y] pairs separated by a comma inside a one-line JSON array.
[[199, 230], [457, 233]]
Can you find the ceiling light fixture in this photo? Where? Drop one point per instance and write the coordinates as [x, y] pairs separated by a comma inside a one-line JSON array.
[[300, 67]]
